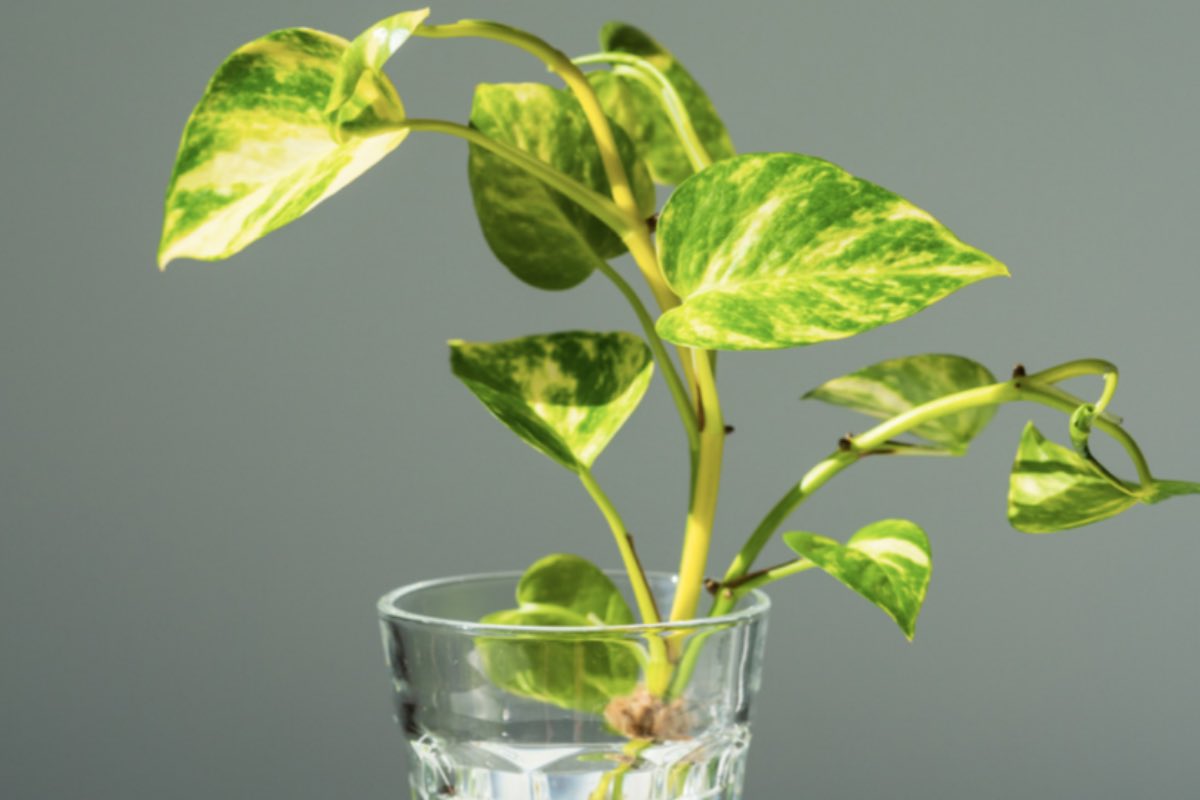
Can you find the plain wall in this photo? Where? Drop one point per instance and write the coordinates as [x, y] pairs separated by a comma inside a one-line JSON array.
[[208, 476]]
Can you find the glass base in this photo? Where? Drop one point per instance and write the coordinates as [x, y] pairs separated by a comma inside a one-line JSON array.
[[708, 768]]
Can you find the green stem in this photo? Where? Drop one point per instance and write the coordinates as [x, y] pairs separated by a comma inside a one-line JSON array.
[[558, 63], [593, 202], [658, 671], [637, 576], [756, 580], [678, 391], [1036, 394], [652, 78]]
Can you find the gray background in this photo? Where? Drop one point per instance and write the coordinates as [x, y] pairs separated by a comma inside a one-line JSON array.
[[207, 476]]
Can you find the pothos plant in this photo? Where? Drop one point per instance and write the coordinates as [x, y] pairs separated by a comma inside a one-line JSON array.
[[751, 252]]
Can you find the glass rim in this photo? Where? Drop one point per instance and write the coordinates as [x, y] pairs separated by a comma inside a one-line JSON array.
[[758, 606]]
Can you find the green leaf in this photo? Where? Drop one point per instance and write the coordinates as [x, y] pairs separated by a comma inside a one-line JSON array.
[[259, 149], [888, 562], [545, 239], [576, 671], [1052, 488], [575, 584], [638, 109], [359, 97], [890, 388], [777, 250], [565, 394]]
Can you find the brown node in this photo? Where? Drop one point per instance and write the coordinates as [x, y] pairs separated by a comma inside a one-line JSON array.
[[1019, 371], [641, 715]]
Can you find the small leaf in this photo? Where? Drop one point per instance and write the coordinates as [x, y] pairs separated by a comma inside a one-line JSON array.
[[890, 388], [575, 671], [888, 562], [1052, 488], [565, 394], [637, 108], [259, 151], [777, 250], [545, 239], [358, 96], [576, 584]]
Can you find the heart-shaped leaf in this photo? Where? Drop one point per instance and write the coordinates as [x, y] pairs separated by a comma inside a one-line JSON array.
[[545, 239], [576, 584], [892, 387], [888, 562], [565, 394], [636, 106], [777, 250], [1052, 488], [578, 671], [259, 150]]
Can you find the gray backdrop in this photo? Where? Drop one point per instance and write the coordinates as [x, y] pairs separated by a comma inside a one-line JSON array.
[[207, 476]]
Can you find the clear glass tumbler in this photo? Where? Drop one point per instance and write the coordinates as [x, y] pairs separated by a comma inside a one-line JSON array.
[[559, 732]]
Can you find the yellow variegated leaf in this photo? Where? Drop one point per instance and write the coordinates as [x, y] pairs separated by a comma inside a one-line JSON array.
[[565, 394], [776, 250], [286, 121]]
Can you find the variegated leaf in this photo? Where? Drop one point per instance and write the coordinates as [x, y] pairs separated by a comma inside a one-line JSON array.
[[259, 150], [545, 239], [1052, 488], [890, 388], [565, 394], [636, 106], [359, 98], [777, 250], [578, 671], [888, 562]]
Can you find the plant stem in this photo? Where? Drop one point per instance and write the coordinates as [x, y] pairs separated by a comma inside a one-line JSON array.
[[678, 391], [755, 580], [652, 78], [703, 506], [1035, 388], [637, 577], [593, 202], [558, 63]]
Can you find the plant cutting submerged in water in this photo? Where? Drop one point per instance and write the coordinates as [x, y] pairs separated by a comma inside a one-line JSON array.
[[750, 252]]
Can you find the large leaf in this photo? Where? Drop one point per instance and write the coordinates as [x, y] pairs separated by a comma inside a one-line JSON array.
[[545, 239], [636, 106], [260, 149], [565, 394], [892, 387], [577, 671], [1052, 488], [776, 250], [888, 562]]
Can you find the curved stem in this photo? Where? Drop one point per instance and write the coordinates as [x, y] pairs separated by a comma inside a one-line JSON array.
[[593, 202], [658, 671], [652, 78], [1035, 394], [678, 392], [637, 576], [558, 63], [757, 580]]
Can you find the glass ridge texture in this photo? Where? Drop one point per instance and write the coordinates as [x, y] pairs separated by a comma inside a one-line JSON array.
[[470, 739]]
